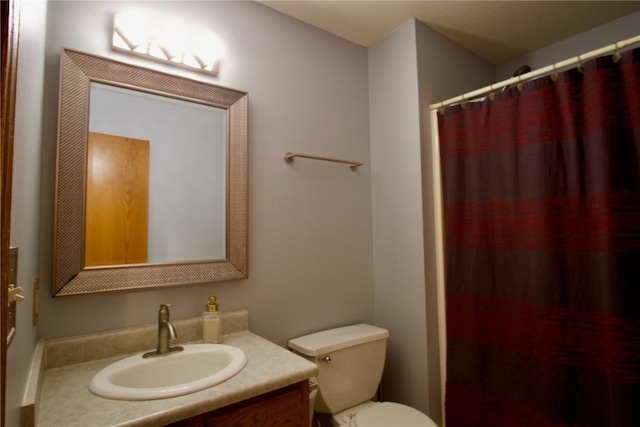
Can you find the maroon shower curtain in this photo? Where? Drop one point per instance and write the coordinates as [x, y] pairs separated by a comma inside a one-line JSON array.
[[541, 192]]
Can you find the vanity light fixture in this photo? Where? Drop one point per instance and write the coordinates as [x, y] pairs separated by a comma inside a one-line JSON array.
[[132, 32]]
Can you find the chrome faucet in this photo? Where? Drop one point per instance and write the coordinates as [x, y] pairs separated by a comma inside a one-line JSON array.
[[166, 332]]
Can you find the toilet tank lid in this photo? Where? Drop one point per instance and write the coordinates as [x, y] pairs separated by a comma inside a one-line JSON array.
[[324, 342]]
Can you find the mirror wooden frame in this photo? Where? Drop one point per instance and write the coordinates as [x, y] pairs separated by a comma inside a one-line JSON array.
[[70, 277]]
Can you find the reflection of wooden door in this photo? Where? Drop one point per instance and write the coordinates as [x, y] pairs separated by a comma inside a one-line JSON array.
[[117, 201]]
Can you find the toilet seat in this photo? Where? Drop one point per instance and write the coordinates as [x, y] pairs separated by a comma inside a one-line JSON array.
[[387, 414]]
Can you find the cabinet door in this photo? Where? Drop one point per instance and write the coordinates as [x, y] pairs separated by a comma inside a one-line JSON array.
[[288, 407]]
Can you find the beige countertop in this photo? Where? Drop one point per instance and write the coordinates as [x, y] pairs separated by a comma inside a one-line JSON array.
[[63, 397]]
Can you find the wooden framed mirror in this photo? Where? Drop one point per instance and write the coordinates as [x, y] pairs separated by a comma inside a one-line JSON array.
[[202, 167]]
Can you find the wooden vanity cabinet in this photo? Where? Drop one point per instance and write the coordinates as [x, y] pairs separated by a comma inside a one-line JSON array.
[[286, 407]]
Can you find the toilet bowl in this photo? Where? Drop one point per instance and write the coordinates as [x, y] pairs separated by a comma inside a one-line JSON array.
[[350, 362], [381, 414]]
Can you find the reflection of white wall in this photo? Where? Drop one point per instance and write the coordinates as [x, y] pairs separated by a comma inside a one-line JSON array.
[[186, 183]]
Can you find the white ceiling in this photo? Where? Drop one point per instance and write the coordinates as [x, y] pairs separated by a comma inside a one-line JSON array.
[[495, 30]]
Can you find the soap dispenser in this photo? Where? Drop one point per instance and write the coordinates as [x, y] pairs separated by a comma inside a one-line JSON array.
[[212, 326]]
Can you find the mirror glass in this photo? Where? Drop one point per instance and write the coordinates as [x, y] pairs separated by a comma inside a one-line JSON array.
[[151, 185], [186, 149]]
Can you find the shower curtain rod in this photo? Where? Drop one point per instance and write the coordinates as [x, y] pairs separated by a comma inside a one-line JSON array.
[[536, 73]]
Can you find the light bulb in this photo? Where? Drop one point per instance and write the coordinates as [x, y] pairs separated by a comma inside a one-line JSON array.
[[173, 41], [133, 29]]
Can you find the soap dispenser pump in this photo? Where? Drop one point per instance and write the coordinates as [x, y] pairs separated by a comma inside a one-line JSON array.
[[212, 326]]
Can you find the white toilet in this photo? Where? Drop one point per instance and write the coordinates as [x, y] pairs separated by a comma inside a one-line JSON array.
[[351, 361]]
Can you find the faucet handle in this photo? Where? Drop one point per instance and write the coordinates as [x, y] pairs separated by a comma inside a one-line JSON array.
[[163, 314]]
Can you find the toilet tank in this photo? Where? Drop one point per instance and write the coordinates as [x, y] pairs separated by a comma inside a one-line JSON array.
[[350, 360]]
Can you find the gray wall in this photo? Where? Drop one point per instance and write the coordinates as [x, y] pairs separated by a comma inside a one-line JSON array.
[[398, 255], [309, 222], [616, 30], [410, 69]]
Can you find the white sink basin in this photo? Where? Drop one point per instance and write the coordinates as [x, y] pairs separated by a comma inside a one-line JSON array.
[[197, 367]]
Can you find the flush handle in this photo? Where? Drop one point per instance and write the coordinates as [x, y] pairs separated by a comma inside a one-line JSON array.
[[325, 359]]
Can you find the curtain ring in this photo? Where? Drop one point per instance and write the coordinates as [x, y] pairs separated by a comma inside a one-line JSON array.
[[491, 94], [616, 56], [520, 85], [580, 66], [441, 110], [554, 74], [463, 104]]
